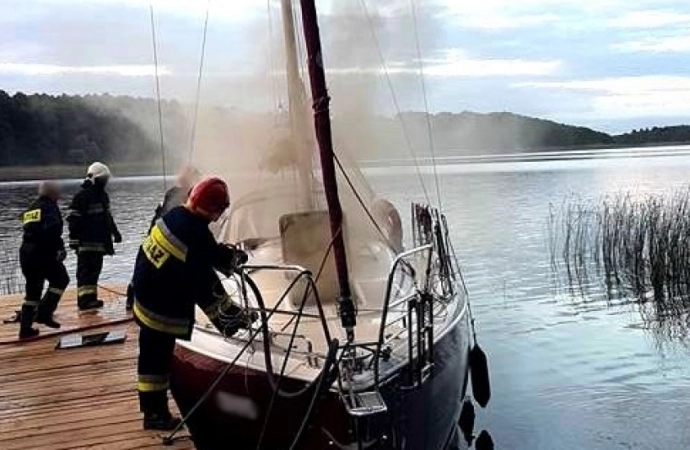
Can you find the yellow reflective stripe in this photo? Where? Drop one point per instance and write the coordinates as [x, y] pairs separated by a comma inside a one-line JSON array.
[[152, 383], [56, 291], [91, 247], [86, 290], [95, 209], [31, 303], [164, 238], [154, 252], [32, 216], [177, 327]]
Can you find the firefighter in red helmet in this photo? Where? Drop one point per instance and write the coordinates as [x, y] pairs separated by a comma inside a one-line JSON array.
[[176, 270]]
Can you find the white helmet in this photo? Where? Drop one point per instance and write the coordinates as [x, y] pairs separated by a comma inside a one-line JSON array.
[[98, 170]]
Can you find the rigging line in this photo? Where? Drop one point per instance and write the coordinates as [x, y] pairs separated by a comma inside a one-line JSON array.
[[271, 59], [429, 127], [158, 97], [394, 98], [362, 204], [202, 57]]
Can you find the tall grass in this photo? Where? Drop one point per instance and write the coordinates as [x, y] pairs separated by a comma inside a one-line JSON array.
[[635, 246]]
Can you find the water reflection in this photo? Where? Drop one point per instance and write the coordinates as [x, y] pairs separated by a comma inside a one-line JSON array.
[[632, 250], [572, 367]]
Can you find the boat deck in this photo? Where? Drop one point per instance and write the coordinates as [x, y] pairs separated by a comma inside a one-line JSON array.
[[82, 398]]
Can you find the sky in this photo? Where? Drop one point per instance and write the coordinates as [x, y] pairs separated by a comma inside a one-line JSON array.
[[610, 64]]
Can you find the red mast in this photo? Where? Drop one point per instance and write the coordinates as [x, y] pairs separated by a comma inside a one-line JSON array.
[[322, 124]]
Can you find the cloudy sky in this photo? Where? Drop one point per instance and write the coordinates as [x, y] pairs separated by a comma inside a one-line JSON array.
[[610, 64]]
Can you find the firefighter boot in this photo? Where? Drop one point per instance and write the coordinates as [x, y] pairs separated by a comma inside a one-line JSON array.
[[26, 329], [162, 421], [47, 307]]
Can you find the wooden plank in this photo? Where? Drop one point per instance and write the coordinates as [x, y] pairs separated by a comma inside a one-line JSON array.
[[72, 399]]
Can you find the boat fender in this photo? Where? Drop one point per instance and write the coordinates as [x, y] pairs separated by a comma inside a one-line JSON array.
[[484, 441], [479, 371], [466, 421]]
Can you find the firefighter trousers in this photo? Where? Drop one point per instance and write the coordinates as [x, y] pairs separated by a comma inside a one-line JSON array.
[[38, 270], [153, 369], [89, 266]]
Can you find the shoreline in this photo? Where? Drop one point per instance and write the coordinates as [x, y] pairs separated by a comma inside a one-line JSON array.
[[9, 174], [69, 172]]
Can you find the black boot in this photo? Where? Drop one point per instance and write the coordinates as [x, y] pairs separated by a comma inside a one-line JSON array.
[[47, 320], [91, 305], [47, 308], [162, 421], [26, 329]]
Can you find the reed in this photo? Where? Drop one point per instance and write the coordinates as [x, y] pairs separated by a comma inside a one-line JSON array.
[[638, 247]]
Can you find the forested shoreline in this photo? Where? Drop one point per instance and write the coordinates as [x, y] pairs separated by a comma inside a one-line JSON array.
[[67, 130]]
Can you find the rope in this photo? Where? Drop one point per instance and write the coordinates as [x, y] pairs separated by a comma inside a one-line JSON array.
[[198, 83], [271, 59], [158, 97], [360, 200], [396, 103], [426, 102]]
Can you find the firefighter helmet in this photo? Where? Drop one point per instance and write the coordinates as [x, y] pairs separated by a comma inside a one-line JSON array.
[[210, 196], [98, 170]]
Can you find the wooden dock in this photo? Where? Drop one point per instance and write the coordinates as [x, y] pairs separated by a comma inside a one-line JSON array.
[[81, 398]]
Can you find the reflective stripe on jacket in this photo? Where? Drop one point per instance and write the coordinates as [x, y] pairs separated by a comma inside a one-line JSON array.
[[91, 224], [42, 225], [174, 271]]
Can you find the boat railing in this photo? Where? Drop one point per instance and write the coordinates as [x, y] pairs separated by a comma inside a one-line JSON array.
[[415, 315], [300, 276]]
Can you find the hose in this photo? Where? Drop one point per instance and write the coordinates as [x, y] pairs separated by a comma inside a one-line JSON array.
[[332, 351], [267, 344]]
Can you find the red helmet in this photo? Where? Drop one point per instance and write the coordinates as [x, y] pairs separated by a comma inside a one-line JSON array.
[[210, 196]]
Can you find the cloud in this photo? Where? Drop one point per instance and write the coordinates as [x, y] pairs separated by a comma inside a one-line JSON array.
[[125, 70], [650, 19], [456, 64], [234, 10], [628, 97], [495, 22], [673, 44]]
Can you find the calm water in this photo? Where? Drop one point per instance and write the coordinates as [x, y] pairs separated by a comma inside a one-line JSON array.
[[567, 372]]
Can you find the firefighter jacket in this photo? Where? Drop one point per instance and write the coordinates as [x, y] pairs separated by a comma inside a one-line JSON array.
[[42, 223], [91, 224], [175, 196], [175, 270]]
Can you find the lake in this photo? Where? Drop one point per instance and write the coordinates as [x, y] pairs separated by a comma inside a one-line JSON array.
[[567, 372]]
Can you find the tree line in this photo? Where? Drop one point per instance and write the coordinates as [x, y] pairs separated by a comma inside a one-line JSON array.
[[41, 129]]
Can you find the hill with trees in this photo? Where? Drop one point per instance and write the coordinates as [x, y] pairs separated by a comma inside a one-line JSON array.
[[42, 130]]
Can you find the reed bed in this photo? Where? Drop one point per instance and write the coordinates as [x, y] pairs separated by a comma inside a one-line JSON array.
[[637, 248]]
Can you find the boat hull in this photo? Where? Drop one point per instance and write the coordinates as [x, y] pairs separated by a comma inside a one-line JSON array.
[[235, 414]]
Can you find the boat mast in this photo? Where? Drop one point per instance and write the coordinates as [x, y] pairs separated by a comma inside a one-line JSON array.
[[297, 108], [322, 125]]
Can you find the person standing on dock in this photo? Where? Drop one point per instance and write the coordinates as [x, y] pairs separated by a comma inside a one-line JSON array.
[[175, 196], [41, 257], [92, 232], [174, 271]]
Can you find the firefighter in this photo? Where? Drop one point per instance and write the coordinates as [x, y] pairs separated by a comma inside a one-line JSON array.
[[41, 256], [175, 196], [92, 232], [175, 269]]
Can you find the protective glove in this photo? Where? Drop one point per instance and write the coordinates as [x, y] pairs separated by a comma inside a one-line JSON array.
[[229, 258], [117, 237], [233, 319], [61, 255]]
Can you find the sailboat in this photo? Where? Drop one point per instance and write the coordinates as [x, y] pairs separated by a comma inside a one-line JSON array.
[[361, 343]]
